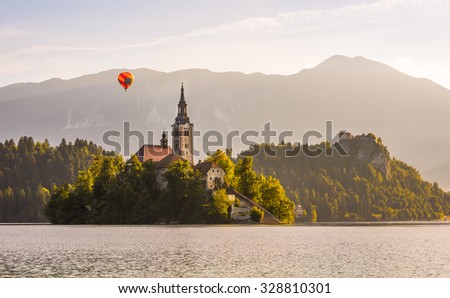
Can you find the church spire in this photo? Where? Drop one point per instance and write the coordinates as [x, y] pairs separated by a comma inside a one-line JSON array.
[[182, 100], [182, 116]]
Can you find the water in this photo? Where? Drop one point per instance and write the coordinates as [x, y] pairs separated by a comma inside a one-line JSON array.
[[224, 251]]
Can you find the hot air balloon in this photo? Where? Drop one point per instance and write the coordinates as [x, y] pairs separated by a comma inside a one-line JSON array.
[[126, 79]]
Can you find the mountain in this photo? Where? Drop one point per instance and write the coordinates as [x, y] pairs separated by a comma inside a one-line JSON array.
[[440, 173], [360, 95]]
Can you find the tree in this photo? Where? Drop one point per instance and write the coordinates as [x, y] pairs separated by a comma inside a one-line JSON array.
[[219, 207], [56, 208], [256, 214], [223, 160], [42, 196], [273, 198], [185, 192], [313, 216], [247, 179]]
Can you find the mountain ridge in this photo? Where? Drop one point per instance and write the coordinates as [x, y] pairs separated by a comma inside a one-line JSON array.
[[359, 94], [333, 61]]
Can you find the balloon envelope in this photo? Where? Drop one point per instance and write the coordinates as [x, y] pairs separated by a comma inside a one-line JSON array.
[[126, 79]]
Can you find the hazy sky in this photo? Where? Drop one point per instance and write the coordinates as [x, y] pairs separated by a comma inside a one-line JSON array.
[[46, 39]]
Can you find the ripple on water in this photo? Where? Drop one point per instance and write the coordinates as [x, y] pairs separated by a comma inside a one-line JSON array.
[[224, 251]]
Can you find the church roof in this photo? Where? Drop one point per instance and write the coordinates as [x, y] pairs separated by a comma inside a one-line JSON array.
[[153, 152], [166, 161]]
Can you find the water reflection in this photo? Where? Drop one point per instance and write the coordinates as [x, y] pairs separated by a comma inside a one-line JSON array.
[[224, 251]]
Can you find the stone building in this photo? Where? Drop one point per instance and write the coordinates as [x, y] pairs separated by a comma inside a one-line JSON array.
[[213, 175]]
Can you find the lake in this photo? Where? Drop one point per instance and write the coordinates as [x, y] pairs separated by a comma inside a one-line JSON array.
[[224, 251]]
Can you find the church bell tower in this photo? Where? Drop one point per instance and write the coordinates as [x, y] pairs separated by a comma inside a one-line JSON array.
[[182, 132]]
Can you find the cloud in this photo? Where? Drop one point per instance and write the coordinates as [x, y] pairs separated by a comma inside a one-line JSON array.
[[10, 32], [297, 21], [320, 19], [248, 25]]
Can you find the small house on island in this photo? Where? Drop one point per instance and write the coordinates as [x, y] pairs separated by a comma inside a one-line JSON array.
[[213, 175]]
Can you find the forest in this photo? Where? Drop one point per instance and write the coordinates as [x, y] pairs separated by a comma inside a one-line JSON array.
[[29, 171], [343, 188], [76, 183]]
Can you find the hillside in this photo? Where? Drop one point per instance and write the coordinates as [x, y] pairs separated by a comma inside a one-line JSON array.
[[367, 185], [356, 93]]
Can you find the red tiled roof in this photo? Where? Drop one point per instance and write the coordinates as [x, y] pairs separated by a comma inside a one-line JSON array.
[[166, 161], [153, 152]]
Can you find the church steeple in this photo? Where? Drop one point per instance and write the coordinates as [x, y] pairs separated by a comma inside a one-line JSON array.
[[164, 140], [183, 131], [182, 116]]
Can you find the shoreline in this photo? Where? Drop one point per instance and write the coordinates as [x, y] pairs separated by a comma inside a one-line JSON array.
[[306, 224], [376, 223]]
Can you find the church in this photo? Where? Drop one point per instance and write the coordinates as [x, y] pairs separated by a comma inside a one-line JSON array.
[[182, 138], [182, 148], [212, 174]]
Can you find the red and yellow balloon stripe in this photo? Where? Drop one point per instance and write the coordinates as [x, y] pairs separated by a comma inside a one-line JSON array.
[[126, 79]]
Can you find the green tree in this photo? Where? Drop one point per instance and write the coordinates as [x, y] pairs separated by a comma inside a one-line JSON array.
[[219, 207], [223, 160], [274, 199], [247, 179], [185, 195], [256, 214], [313, 216]]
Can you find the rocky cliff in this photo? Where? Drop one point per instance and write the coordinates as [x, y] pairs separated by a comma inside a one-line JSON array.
[[368, 148]]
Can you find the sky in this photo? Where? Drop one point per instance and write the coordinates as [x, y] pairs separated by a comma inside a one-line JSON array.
[[66, 39]]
